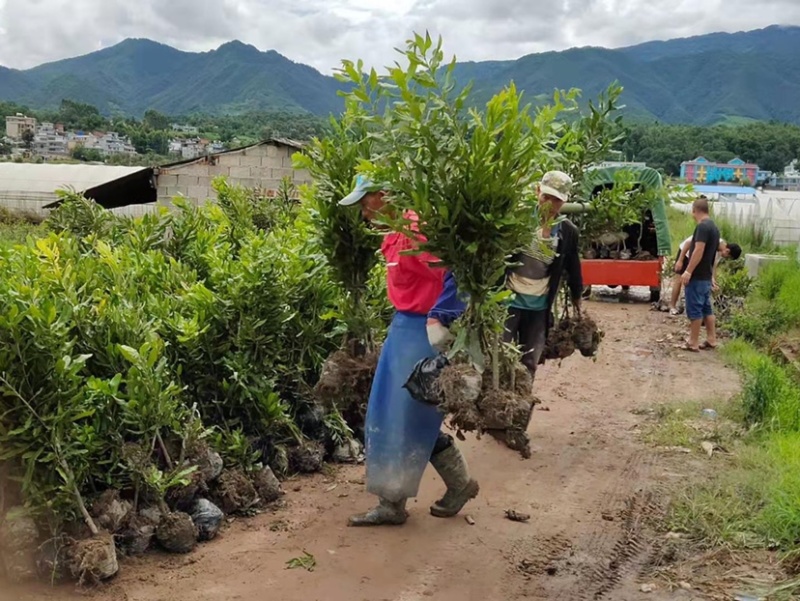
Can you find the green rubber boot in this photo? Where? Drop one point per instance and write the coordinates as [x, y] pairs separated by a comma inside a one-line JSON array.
[[385, 513], [452, 468]]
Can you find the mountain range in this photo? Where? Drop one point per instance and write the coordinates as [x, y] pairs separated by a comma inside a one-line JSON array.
[[706, 79]]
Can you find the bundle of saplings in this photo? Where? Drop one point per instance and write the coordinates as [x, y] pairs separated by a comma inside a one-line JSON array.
[[469, 175], [350, 248]]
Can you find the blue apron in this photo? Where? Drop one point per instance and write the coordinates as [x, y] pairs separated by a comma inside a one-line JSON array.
[[400, 432]]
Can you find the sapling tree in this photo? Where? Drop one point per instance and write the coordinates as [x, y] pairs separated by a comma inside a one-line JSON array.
[[347, 243], [589, 138], [466, 173]]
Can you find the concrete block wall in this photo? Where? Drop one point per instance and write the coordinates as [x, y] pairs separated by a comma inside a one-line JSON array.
[[260, 166]]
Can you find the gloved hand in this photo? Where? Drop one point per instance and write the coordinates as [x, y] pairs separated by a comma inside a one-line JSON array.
[[439, 336]]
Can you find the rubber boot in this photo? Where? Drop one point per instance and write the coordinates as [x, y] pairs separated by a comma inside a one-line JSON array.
[[452, 468], [385, 513]]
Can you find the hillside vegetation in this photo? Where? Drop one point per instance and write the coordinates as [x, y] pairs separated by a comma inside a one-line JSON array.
[[716, 78]]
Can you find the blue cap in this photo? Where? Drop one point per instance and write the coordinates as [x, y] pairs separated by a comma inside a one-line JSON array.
[[363, 187]]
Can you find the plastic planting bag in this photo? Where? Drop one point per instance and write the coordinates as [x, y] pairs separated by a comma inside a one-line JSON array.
[[422, 383]]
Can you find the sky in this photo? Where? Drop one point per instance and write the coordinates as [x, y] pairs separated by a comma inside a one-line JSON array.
[[322, 32]]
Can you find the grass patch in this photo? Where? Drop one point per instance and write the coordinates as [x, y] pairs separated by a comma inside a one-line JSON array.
[[12, 234], [750, 234], [684, 425], [754, 504]]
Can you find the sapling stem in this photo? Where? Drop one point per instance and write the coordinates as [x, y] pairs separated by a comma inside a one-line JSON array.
[[56, 445], [163, 448], [78, 498], [496, 360]]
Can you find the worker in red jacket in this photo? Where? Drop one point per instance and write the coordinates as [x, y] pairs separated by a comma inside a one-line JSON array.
[[402, 434]]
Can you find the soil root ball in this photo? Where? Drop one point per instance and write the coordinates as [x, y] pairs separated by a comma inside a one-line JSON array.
[[177, 533], [345, 383], [181, 497], [93, 560], [111, 511], [152, 514], [587, 336], [210, 465], [473, 404], [207, 518], [307, 458], [234, 492], [351, 451], [19, 537], [573, 333], [138, 536], [267, 485]]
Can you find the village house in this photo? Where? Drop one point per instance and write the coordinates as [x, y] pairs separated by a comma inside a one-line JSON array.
[[49, 141], [17, 125], [788, 181], [260, 166], [139, 190], [703, 171], [189, 130]]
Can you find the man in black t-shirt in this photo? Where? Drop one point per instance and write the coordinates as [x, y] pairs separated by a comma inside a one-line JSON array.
[[698, 276]]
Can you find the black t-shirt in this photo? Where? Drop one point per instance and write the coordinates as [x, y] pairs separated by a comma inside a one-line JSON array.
[[706, 231]]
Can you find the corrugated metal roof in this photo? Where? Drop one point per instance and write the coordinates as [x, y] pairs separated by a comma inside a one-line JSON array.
[[47, 178]]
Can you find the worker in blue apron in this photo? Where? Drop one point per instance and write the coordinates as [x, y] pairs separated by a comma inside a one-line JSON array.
[[402, 434]]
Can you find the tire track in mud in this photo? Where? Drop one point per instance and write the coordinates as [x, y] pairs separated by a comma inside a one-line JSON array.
[[627, 547], [611, 551]]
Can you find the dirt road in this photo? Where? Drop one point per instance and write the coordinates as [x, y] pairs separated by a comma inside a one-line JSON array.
[[590, 487]]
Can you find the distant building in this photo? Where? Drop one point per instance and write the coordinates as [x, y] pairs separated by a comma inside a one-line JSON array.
[[48, 142], [107, 143], [192, 148], [112, 143], [18, 124], [79, 138], [189, 130], [703, 171], [788, 181], [763, 176], [260, 166], [635, 164]]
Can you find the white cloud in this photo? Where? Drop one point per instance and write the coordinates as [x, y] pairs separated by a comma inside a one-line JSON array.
[[321, 32]]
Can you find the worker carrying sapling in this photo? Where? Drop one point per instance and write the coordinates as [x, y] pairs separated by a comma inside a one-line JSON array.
[[536, 273], [402, 434]]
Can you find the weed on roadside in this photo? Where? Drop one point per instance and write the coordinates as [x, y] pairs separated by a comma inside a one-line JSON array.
[[684, 425], [306, 562], [752, 505]]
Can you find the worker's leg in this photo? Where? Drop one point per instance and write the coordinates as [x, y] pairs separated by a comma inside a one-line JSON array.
[[385, 513], [695, 304], [451, 466], [511, 330], [532, 338], [676, 293]]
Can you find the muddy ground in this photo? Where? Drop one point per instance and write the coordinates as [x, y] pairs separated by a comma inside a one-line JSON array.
[[593, 487]]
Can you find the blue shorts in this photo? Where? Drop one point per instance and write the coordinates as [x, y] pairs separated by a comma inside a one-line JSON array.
[[698, 299]]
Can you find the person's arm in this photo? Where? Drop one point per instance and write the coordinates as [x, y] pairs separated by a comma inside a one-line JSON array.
[[697, 255], [450, 305], [682, 257], [574, 274]]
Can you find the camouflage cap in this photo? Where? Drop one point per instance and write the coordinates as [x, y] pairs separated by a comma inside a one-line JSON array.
[[557, 184]]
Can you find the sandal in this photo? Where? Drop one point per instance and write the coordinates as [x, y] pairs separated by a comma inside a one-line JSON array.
[[707, 346], [674, 312], [685, 347]]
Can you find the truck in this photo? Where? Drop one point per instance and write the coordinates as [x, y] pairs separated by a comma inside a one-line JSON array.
[[634, 254]]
